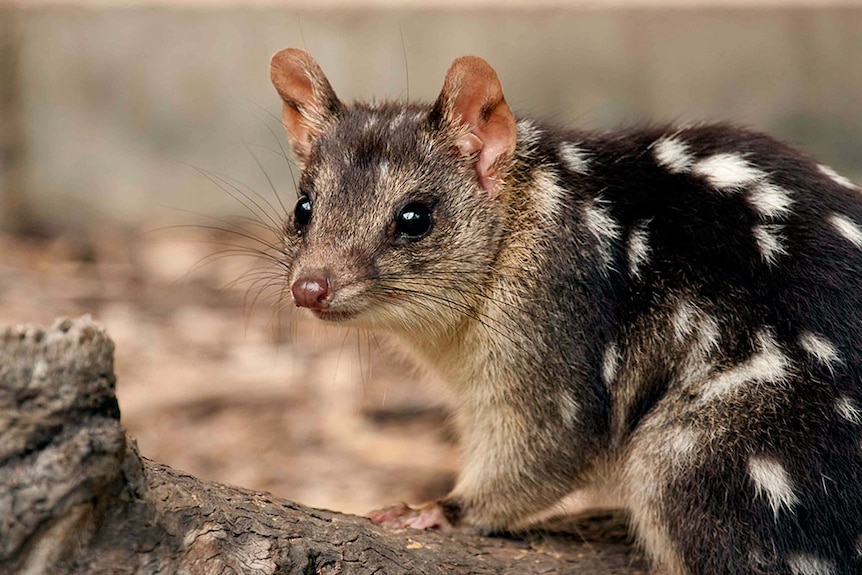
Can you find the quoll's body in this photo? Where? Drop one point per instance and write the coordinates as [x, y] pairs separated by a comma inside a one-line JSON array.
[[672, 313]]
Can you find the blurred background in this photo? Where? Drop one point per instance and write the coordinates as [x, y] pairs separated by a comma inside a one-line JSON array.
[[138, 138]]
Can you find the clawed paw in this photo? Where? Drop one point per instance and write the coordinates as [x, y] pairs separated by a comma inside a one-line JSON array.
[[428, 516]]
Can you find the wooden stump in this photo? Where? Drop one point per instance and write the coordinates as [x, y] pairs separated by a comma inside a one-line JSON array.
[[76, 497]]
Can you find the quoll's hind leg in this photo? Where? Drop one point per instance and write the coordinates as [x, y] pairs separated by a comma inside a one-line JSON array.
[[777, 489]]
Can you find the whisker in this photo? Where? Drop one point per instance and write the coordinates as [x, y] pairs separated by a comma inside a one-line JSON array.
[[406, 67], [249, 306], [273, 151], [266, 247], [275, 137], [262, 214], [338, 359], [362, 375], [229, 224], [223, 183], [269, 180], [254, 277], [290, 163], [486, 321], [421, 280], [227, 231]]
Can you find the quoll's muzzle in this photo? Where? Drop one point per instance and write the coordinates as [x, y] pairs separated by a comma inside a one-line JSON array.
[[312, 291]]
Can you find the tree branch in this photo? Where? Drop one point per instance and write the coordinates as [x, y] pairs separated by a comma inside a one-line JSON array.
[[76, 497]]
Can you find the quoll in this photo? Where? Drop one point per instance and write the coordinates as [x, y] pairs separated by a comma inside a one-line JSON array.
[[671, 316]]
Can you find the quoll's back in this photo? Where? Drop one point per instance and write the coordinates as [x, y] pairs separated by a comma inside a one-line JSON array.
[[670, 315]]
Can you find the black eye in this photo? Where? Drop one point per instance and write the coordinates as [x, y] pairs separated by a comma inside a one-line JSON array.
[[302, 212], [414, 221]]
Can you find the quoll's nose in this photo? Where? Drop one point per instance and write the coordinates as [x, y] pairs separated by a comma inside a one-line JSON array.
[[312, 291]]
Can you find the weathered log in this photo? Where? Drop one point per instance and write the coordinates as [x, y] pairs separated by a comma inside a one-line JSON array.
[[76, 497]]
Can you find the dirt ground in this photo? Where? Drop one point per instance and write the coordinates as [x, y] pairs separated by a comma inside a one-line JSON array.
[[233, 390]]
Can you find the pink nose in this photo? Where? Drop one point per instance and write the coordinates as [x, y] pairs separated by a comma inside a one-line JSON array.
[[312, 292]]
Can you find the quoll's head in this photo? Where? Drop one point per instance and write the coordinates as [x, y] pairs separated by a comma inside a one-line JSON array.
[[399, 214]]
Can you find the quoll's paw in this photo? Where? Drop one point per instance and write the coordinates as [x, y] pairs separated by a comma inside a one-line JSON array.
[[427, 516]]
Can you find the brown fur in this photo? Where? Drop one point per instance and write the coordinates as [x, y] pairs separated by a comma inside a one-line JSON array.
[[668, 315]]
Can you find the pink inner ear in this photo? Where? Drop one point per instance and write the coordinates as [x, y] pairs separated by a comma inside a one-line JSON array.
[[500, 134], [477, 101], [308, 98], [299, 133], [469, 144]]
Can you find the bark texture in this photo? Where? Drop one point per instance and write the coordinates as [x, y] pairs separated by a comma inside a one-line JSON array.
[[76, 497]]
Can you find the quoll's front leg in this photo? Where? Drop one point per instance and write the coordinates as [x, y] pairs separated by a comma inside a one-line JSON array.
[[514, 467]]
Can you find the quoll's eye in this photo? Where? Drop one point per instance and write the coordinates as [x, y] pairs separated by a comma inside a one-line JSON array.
[[413, 221], [302, 212]]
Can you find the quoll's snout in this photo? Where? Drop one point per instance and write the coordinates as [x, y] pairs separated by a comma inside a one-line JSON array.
[[313, 291]]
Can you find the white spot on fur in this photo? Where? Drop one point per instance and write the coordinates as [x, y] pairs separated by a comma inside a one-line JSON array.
[[836, 177], [370, 123], [770, 201], [570, 410], [603, 227], [610, 364], [727, 172], [680, 445], [683, 321], [398, 121], [767, 365], [346, 158], [690, 319], [756, 557], [574, 158], [646, 476], [769, 242], [772, 481], [859, 546], [803, 564], [708, 335], [847, 409], [700, 331], [820, 347], [383, 170], [672, 154], [528, 133], [639, 248], [548, 197], [847, 228]]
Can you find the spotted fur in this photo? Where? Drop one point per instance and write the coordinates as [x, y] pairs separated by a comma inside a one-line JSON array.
[[675, 310]]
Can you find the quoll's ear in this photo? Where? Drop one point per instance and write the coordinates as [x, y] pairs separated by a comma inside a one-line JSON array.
[[472, 96], [309, 100]]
